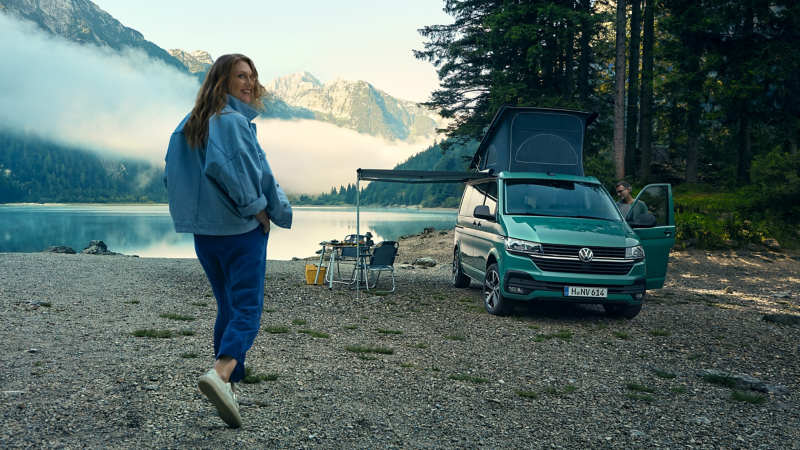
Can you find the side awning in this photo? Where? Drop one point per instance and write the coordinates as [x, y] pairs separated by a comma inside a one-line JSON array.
[[417, 176]]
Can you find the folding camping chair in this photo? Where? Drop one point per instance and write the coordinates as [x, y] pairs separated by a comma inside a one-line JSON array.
[[381, 260]]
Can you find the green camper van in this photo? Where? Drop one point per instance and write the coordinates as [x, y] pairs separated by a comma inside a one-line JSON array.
[[536, 228]]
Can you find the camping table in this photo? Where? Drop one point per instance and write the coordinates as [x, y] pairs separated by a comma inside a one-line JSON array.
[[333, 246]]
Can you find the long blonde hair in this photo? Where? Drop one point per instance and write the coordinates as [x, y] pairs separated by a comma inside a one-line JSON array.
[[213, 96]]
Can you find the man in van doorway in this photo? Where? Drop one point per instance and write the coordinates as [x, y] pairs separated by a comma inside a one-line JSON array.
[[623, 190]]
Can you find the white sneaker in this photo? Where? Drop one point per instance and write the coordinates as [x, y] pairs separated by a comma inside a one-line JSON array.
[[223, 398]]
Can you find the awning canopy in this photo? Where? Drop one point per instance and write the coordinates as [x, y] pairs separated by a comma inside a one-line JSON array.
[[417, 176]]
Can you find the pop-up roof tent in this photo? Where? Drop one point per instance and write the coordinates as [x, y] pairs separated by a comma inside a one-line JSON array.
[[529, 139]]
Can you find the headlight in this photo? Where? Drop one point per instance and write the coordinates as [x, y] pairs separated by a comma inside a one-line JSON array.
[[634, 252], [520, 246]]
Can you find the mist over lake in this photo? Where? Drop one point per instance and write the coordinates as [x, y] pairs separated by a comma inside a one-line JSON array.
[[147, 230]]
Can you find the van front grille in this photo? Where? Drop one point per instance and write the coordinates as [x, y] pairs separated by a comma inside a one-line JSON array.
[[576, 266], [572, 251]]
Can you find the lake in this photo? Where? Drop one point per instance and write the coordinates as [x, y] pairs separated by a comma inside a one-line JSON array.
[[147, 230]]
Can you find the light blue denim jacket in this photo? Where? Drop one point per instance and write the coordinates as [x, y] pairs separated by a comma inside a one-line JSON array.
[[218, 189]]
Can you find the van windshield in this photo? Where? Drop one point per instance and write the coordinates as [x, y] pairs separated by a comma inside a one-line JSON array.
[[560, 198]]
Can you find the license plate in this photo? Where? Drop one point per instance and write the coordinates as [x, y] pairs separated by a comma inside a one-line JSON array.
[[574, 291]]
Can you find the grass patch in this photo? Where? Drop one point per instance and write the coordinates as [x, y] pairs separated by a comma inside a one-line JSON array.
[[275, 330], [152, 333], [645, 397], [203, 304], [567, 390], [470, 378], [466, 300], [187, 333], [316, 334], [678, 389], [694, 357], [748, 397], [476, 308], [564, 335], [208, 296], [367, 357], [719, 337], [132, 302], [350, 327], [455, 337], [664, 373], [406, 366], [620, 335], [401, 315], [527, 394], [251, 378], [420, 345], [365, 349], [610, 343], [37, 364], [364, 317], [722, 380], [437, 296], [424, 304], [433, 369], [744, 345], [299, 322], [385, 331], [188, 355], [269, 311], [639, 387], [414, 310], [177, 317], [46, 304], [533, 327], [660, 332]]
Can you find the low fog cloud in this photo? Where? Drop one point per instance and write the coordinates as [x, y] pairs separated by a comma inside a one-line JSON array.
[[311, 157], [87, 96], [128, 104]]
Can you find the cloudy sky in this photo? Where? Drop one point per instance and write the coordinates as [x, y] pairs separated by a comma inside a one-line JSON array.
[[87, 97], [356, 39]]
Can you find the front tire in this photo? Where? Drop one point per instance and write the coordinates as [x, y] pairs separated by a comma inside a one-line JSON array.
[[626, 311], [459, 279], [493, 298]]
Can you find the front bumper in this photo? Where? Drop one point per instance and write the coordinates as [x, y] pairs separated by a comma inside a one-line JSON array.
[[525, 287]]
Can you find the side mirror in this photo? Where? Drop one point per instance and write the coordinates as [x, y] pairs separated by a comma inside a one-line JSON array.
[[644, 221], [482, 212]]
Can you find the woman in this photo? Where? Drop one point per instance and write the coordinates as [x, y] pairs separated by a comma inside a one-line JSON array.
[[222, 190]]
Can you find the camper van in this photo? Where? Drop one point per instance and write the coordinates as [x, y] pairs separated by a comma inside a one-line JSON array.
[[536, 228]]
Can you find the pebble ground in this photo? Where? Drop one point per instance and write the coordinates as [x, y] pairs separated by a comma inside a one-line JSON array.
[[73, 376]]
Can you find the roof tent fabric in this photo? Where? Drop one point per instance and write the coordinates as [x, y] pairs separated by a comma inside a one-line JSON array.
[[529, 139], [417, 176]]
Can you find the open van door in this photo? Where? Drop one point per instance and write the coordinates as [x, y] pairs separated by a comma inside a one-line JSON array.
[[656, 238]]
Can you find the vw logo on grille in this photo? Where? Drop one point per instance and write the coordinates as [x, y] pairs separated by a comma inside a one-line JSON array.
[[585, 254]]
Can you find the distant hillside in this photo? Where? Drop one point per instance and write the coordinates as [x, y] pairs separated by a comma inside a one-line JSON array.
[[84, 22], [447, 195], [356, 105], [36, 171], [198, 61]]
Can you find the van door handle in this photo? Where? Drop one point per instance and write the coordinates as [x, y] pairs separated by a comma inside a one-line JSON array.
[[474, 223], [667, 232]]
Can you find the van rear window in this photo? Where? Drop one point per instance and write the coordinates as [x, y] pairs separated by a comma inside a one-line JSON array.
[[560, 198]]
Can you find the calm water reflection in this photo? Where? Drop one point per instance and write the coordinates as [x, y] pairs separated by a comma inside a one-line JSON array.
[[147, 231]]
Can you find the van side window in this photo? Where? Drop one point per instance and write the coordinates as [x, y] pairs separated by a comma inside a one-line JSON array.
[[465, 200], [491, 197], [478, 192]]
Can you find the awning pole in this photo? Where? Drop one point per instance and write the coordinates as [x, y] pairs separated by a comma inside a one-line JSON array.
[[358, 234]]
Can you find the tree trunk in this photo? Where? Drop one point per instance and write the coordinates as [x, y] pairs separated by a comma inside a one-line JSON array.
[[691, 144], [646, 144], [583, 64], [569, 63], [744, 147], [633, 90], [619, 94], [791, 138]]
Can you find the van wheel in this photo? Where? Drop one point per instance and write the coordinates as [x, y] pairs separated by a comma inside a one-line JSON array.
[[459, 279], [626, 311], [493, 296]]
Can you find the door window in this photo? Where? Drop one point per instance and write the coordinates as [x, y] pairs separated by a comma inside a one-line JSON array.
[[652, 200], [491, 197], [476, 198]]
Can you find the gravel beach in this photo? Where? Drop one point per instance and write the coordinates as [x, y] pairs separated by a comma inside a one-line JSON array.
[[434, 370]]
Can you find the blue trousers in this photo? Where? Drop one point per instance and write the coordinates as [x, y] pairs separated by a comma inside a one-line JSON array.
[[235, 266]]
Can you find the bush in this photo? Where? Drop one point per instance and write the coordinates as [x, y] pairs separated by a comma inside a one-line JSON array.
[[776, 175]]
